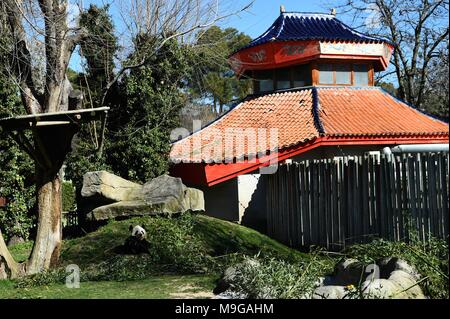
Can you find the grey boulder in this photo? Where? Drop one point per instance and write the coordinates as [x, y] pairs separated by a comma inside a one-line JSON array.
[[111, 196], [105, 187]]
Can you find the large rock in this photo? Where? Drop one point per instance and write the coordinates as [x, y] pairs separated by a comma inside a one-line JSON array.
[[400, 285], [401, 281], [164, 195], [349, 272], [105, 187], [162, 189], [392, 278]]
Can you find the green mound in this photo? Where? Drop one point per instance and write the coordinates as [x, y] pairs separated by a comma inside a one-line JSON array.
[[222, 238], [184, 245], [209, 236]]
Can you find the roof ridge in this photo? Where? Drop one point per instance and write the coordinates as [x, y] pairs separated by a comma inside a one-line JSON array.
[[316, 111], [308, 13]]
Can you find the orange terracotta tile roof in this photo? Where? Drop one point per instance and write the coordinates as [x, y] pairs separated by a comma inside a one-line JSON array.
[[302, 115], [372, 112]]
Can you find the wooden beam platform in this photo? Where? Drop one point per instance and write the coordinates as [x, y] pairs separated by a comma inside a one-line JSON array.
[[24, 122]]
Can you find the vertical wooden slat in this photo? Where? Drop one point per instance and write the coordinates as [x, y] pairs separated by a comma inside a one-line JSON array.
[[335, 205], [404, 196], [417, 176], [373, 220], [439, 195], [433, 194], [399, 200], [444, 181], [268, 203], [322, 205], [382, 197], [306, 203], [314, 203], [286, 228], [425, 188], [365, 210], [280, 189], [390, 197], [329, 204], [344, 201], [412, 213], [298, 208], [356, 201]]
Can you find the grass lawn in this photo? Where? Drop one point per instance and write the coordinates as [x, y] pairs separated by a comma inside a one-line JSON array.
[[155, 287]]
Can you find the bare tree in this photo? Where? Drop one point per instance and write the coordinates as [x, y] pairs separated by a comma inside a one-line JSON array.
[[167, 20], [417, 28], [24, 26], [44, 23]]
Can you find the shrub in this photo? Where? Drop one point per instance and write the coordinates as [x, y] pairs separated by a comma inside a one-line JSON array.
[[16, 218], [68, 197], [268, 278], [16, 169]]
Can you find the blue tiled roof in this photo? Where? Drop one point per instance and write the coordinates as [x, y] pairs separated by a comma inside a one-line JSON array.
[[295, 26]]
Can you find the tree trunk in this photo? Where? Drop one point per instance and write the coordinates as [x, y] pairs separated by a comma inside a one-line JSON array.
[[52, 143], [9, 268], [47, 246]]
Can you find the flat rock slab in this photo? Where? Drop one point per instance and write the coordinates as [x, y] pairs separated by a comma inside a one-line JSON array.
[[192, 201], [105, 187], [111, 196], [125, 209]]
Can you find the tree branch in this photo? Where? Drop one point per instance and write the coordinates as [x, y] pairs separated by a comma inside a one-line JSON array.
[[21, 61], [145, 59]]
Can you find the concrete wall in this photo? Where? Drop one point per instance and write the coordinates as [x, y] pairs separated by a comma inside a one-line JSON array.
[[240, 199], [252, 201], [222, 200]]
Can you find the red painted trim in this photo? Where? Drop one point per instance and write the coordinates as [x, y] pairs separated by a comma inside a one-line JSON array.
[[275, 55], [212, 174], [218, 173]]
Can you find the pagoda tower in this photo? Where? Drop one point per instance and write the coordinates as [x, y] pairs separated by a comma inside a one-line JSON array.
[[314, 97]]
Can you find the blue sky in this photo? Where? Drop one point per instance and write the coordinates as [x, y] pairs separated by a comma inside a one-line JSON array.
[[264, 12], [254, 22]]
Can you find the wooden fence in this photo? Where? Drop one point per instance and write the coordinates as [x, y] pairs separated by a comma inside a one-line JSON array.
[[70, 219], [337, 202]]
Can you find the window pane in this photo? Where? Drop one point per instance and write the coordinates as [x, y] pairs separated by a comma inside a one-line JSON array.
[[343, 74], [361, 74], [299, 84], [301, 76], [281, 85], [283, 79], [325, 74], [265, 80], [266, 85]]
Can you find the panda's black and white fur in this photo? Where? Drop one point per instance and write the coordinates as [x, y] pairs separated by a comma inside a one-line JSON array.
[[136, 243], [138, 232]]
